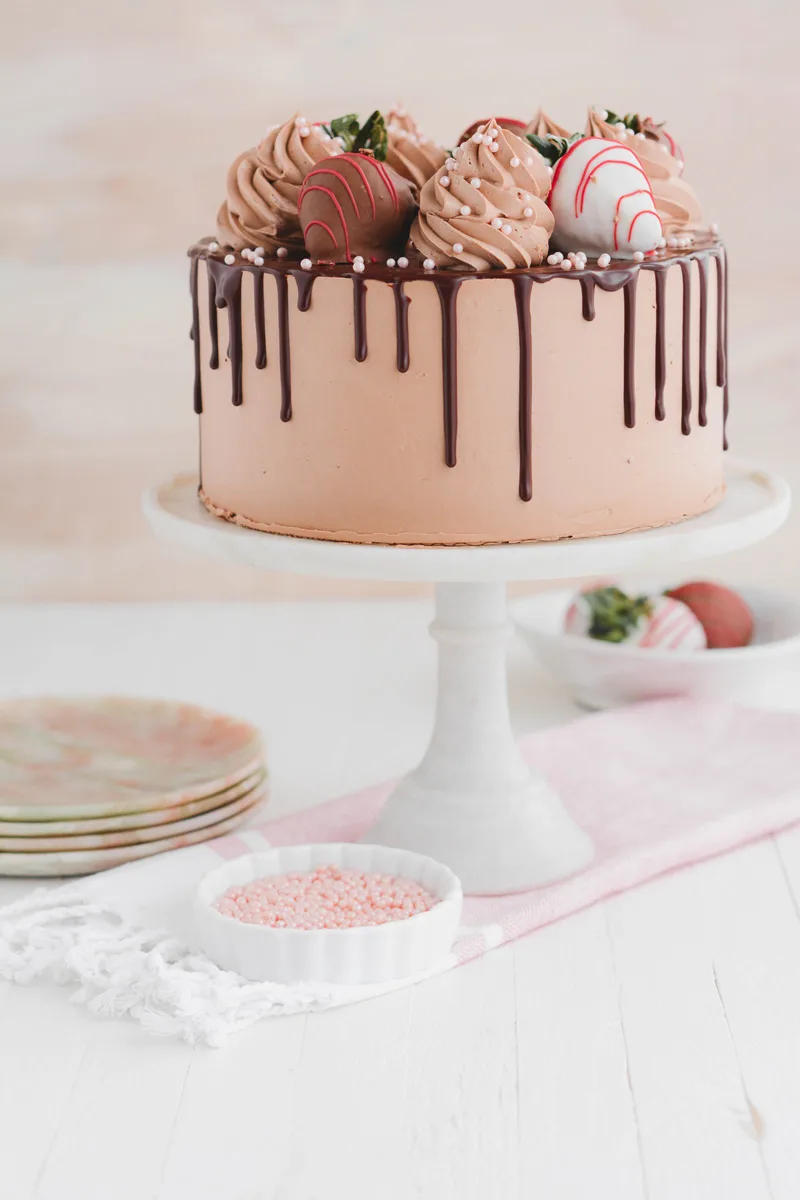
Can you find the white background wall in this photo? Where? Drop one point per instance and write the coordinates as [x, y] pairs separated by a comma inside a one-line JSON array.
[[120, 118]]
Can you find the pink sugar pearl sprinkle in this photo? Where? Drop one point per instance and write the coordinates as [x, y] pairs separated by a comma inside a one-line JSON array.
[[325, 898]]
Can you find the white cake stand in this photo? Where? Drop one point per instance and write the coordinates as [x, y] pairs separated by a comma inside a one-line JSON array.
[[473, 803]]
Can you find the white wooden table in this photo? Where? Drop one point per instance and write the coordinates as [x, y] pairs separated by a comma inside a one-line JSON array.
[[648, 1049]]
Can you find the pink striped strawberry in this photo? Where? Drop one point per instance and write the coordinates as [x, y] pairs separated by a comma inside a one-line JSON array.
[[608, 614]]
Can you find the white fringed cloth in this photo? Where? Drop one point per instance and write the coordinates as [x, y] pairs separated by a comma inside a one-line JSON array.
[[658, 786]]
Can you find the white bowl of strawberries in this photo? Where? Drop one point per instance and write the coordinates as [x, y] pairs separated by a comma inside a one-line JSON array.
[[619, 643]]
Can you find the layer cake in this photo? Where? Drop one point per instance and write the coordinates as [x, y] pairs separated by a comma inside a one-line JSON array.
[[523, 339]]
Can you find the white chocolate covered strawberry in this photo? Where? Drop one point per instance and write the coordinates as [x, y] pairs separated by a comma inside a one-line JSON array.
[[608, 614], [602, 201]]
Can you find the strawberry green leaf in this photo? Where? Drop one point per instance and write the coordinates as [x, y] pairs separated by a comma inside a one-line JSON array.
[[631, 121], [551, 146], [373, 136], [614, 614], [345, 128], [370, 137]]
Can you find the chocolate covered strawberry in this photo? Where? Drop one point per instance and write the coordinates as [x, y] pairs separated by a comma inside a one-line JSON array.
[[355, 205], [726, 618], [608, 614], [601, 199]]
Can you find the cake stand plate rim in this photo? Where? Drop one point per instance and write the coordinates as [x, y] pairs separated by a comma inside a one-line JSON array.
[[756, 504]]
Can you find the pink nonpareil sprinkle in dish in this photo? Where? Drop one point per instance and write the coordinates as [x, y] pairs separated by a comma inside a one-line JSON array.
[[328, 897]]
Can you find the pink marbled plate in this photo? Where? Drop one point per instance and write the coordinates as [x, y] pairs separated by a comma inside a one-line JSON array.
[[85, 862], [103, 756], [132, 821], [130, 837]]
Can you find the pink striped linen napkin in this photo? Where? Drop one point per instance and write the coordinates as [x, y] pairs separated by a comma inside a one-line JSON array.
[[658, 787]]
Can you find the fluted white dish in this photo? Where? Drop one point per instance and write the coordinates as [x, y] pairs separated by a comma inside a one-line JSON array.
[[367, 954], [602, 675]]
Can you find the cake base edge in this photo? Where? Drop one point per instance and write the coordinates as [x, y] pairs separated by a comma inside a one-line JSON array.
[[417, 541]]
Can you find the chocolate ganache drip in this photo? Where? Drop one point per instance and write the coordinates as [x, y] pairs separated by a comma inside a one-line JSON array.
[[195, 335], [522, 297], [629, 385], [702, 381], [213, 324], [401, 303], [360, 318], [661, 349], [447, 287], [686, 364], [261, 323], [722, 336], [284, 346], [305, 283], [225, 291], [228, 294], [587, 297]]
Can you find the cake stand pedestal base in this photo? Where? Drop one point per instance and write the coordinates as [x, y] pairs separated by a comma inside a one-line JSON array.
[[473, 803]]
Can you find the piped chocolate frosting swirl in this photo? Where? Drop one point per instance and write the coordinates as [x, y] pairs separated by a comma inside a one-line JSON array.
[[409, 152], [486, 206], [543, 126], [662, 160], [263, 187]]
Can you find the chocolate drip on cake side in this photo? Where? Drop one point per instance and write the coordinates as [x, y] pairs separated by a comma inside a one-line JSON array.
[[224, 291], [447, 289], [661, 348], [284, 347], [522, 297], [625, 278], [260, 320], [228, 294], [721, 287], [686, 350], [702, 380], [305, 285], [401, 303], [213, 324], [722, 337], [629, 369], [195, 334], [613, 280], [360, 318], [587, 297]]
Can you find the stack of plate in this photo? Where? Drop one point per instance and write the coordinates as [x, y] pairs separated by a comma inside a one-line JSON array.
[[89, 783]]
